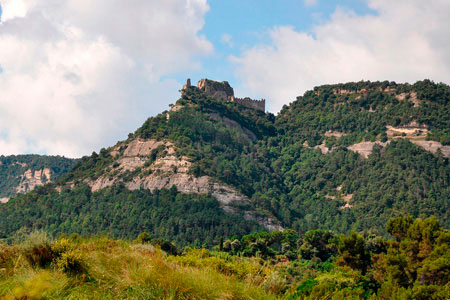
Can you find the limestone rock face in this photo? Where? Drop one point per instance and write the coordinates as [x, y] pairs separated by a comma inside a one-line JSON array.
[[417, 134], [433, 147], [365, 148], [31, 179], [171, 169]]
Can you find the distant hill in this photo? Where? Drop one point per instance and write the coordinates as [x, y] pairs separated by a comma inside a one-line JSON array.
[[23, 173], [342, 157]]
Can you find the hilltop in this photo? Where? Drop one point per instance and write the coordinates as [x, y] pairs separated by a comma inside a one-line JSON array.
[[341, 157]]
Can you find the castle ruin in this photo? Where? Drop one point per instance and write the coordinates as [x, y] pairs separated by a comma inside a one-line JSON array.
[[223, 91]]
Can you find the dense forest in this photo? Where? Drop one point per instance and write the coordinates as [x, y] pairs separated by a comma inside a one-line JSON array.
[[185, 219], [413, 264], [13, 167], [273, 160]]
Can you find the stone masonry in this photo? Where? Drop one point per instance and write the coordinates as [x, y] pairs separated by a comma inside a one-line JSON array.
[[223, 91]]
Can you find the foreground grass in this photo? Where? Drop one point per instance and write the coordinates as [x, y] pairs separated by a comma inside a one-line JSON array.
[[111, 269], [414, 266]]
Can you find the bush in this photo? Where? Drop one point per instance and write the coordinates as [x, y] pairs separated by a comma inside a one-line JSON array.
[[167, 246], [37, 249], [7, 254], [61, 246], [71, 263], [75, 237], [143, 238]]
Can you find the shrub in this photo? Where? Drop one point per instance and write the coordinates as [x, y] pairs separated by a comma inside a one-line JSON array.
[[37, 249], [167, 246], [143, 238], [304, 288], [61, 246], [7, 254], [275, 283], [71, 263], [75, 237]]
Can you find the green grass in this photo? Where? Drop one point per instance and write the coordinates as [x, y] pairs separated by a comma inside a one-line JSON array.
[[119, 270]]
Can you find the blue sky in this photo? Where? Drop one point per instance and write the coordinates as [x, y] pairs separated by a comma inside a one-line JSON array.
[[77, 77], [247, 23]]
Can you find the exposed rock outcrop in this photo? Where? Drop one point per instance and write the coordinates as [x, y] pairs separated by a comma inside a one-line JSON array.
[[433, 146], [336, 134], [324, 149], [31, 179], [365, 148], [411, 96], [347, 198], [417, 134], [168, 170], [411, 131]]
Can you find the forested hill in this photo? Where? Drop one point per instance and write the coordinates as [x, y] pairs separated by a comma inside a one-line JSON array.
[[22, 173], [341, 157]]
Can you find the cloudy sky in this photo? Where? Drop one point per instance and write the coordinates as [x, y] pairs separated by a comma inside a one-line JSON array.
[[78, 75]]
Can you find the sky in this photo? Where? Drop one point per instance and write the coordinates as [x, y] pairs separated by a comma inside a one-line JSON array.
[[79, 75]]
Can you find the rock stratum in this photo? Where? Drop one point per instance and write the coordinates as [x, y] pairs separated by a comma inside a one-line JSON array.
[[23, 173], [169, 170]]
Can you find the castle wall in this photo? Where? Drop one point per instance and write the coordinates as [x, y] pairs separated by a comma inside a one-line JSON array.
[[253, 104], [223, 91]]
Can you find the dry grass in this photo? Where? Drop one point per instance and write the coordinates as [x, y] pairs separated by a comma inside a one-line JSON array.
[[120, 270]]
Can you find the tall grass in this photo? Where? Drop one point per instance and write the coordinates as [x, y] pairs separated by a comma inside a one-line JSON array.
[[113, 270]]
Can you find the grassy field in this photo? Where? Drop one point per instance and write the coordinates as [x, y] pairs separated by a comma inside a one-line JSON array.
[[101, 268]]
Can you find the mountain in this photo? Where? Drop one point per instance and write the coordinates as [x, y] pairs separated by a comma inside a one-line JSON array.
[[341, 157], [23, 173]]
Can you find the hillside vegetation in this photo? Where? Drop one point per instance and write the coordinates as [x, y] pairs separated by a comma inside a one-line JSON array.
[[279, 265], [13, 171], [342, 157]]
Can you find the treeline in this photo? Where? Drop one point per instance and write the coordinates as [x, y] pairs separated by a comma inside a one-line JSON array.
[[323, 265], [120, 213]]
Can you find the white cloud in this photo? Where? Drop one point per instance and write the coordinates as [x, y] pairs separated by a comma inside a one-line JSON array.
[[405, 41], [75, 77], [15, 8], [310, 2], [227, 40]]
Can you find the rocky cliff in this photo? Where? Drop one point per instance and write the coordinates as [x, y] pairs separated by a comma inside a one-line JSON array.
[[23, 173], [155, 165]]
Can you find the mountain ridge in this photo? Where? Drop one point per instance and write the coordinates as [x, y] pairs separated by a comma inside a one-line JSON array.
[[294, 170]]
